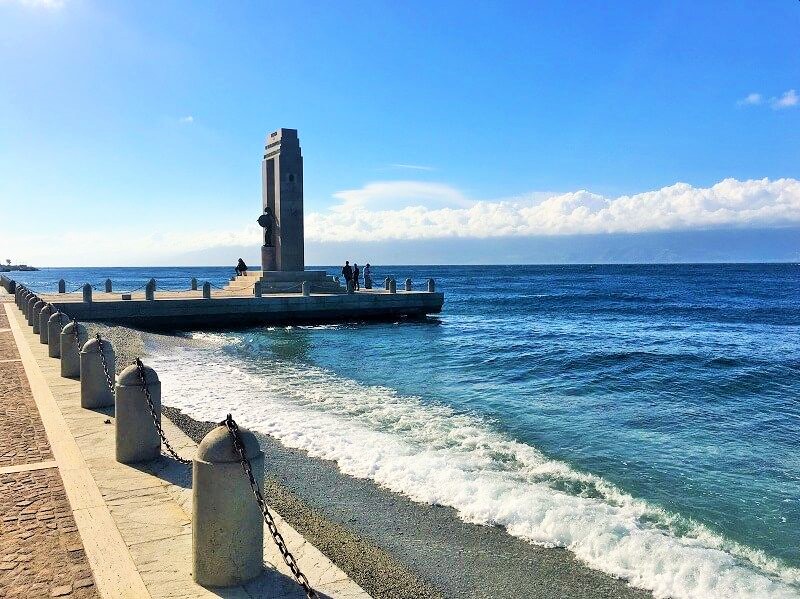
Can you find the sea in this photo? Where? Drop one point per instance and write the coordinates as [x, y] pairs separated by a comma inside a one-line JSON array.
[[645, 417]]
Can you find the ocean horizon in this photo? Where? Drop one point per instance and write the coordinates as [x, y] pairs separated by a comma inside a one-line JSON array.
[[644, 416]]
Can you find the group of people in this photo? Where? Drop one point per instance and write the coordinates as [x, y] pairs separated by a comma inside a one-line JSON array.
[[353, 274]]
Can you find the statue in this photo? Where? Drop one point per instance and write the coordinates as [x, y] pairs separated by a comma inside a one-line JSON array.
[[266, 220]]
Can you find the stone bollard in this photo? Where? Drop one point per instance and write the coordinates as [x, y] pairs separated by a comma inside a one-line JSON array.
[[95, 391], [108, 286], [44, 319], [29, 309], [70, 349], [55, 325], [408, 284], [62, 286], [194, 284], [87, 293], [431, 286], [135, 432], [392, 285], [386, 283], [227, 524], [257, 289], [150, 290], [206, 290], [37, 307], [305, 289], [351, 287]]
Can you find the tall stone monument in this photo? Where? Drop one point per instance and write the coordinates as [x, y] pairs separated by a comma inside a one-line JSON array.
[[282, 253], [282, 203]]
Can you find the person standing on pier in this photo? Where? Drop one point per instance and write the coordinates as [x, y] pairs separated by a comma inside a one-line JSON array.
[[347, 273], [367, 277], [356, 273]]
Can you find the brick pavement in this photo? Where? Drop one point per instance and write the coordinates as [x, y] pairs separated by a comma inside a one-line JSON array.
[[41, 553]]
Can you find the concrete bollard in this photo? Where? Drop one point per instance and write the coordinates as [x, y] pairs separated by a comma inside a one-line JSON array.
[[108, 286], [95, 392], [305, 289], [194, 284], [44, 318], [70, 349], [62, 286], [227, 525], [135, 432], [257, 289], [408, 284], [55, 325], [386, 283], [392, 285], [150, 290], [29, 309], [87, 293], [431, 286], [351, 286], [206, 290], [37, 307]]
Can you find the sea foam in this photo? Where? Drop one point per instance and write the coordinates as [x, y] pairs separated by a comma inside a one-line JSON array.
[[433, 455]]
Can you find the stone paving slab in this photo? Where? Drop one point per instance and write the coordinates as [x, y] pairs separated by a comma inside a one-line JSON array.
[[3, 321], [41, 553], [22, 436], [8, 349]]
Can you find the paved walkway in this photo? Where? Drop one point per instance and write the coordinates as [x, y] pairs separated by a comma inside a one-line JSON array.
[[41, 552], [135, 522]]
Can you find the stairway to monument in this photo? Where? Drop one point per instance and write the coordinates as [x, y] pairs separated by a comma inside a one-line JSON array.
[[283, 282]]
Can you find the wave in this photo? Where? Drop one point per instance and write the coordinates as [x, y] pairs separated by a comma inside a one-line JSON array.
[[432, 454]]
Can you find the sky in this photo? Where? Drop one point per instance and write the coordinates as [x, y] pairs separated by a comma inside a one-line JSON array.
[[131, 133]]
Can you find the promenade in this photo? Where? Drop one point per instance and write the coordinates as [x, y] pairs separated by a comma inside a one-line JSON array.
[[76, 523]]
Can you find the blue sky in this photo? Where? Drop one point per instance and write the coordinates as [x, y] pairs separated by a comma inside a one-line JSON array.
[[139, 126]]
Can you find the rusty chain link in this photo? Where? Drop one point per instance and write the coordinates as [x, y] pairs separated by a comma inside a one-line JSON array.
[[301, 579], [156, 419], [109, 379]]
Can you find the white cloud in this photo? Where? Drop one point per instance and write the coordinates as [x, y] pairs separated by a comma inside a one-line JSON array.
[[413, 167], [390, 195], [751, 100], [730, 203], [787, 100], [188, 119]]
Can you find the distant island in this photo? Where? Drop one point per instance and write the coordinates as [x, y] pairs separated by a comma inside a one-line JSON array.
[[8, 267]]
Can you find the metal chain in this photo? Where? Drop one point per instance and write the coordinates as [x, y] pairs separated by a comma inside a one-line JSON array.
[[109, 380], [77, 339], [156, 419], [238, 445]]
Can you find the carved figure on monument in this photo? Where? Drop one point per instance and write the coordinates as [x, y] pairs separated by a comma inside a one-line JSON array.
[[266, 221]]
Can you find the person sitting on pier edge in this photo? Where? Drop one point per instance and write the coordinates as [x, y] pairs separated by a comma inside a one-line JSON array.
[[356, 272], [241, 267], [347, 272], [367, 277]]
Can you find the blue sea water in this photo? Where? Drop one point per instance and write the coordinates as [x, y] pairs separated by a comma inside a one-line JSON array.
[[676, 385]]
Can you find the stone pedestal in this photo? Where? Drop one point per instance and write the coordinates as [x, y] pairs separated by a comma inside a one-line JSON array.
[[268, 258]]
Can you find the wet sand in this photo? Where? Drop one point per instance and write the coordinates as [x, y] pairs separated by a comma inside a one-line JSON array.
[[391, 546]]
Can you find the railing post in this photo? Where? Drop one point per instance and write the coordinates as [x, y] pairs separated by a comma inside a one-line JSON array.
[[55, 325], [194, 284], [227, 524], [87, 293], [37, 307], [150, 290], [29, 309], [431, 286], [408, 284], [44, 318], [70, 349], [257, 292], [108, 286], [135, 431], [95, 390], [386, 283], [351, 286], [305, 289], [62, 286], [206, 290], [392, 285]]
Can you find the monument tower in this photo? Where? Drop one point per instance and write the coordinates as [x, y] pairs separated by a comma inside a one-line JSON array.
[[282, 202], [282, 252]]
